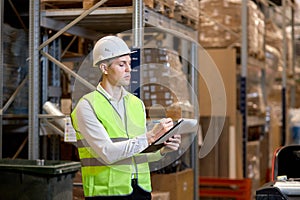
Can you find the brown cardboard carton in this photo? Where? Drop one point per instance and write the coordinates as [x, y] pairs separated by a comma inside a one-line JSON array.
[[160, 195], [179, 184], [66, 105]]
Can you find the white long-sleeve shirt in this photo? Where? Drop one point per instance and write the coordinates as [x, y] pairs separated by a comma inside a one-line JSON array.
[[97, 137]]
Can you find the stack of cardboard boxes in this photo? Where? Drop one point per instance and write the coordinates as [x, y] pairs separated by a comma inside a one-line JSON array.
[[220, 25], [164, 84]]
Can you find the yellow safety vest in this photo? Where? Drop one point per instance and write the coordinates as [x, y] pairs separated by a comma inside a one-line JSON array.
[[100, 179]]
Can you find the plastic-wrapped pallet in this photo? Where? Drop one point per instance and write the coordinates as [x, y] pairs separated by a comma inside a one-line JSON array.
[[220, 25], [272, 63], [15, 68], [273, 35], [274, 38]]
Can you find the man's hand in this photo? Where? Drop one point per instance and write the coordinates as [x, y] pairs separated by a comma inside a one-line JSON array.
[[159, 129], [172, 144]]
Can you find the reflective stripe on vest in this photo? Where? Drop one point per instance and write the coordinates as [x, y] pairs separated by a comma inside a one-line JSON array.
[[100, 179]]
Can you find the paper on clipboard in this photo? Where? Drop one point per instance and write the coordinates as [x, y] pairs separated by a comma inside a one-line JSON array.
[[183, 126]]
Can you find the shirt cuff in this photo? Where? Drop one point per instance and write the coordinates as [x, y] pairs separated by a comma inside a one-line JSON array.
[[142, 141]]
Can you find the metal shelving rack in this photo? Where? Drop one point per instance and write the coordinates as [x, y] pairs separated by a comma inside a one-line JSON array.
[[85, 27], [1, 72], [248, 61], [286, 21], [244, 65], [135, 17]]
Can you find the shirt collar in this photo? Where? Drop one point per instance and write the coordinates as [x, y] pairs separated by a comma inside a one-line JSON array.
[[107, 95]]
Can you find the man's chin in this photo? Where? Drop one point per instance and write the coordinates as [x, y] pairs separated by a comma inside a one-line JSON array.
[[126, 83]]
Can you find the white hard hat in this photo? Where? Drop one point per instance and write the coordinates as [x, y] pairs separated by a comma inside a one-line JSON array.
[[109, 47]]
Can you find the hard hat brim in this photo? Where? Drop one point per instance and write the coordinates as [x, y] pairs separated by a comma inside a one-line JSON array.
[[129, 53]]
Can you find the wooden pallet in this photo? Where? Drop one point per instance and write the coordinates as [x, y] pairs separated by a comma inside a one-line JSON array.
[[165, 7], [186, 19], [85, 4], [111, 3], [60, 4], [149, 3], [185, 16]]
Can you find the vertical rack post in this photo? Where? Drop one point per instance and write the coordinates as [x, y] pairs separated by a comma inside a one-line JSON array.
[[293, 89], [194, 146], [1, 74], [137, 25], [243, 83], [44, 92], [283, 92], [34, 39]]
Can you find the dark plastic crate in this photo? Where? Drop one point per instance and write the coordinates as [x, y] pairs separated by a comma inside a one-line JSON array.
[[25, 179]]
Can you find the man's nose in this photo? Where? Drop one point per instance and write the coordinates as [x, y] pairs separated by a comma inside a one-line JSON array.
[[128, 68]]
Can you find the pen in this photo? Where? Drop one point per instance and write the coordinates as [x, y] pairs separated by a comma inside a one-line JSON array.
[[156, 121]]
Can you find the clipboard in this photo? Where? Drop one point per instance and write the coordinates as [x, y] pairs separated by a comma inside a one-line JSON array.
[[183, 126]]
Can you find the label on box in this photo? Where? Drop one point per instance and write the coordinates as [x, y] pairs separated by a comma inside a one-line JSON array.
[[70, 133]]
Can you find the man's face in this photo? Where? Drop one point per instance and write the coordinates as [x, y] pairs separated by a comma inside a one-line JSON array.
[[119, 71]]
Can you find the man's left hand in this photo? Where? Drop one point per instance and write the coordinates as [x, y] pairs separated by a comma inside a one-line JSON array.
[[172, 144]]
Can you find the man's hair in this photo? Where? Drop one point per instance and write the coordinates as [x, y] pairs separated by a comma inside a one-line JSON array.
[[107, 62]]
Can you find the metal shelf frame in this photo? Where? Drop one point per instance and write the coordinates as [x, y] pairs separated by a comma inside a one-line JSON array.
[[243, 76], [284, 22], [34, 96], [135, 17], [1, 73], [248, 61]]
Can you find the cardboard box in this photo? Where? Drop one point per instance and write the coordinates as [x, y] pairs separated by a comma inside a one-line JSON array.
[[160, 195], [180, 185], [66, 106], [225, 61]]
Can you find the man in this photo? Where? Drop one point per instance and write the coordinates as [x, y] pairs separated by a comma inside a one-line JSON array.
[[110, 124]]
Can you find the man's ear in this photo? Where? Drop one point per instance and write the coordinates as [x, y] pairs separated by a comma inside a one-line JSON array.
[[103, 68]]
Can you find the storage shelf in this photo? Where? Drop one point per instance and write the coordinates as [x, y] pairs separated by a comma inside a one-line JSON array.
[[155, 19], [111, 20], [102, 20]]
